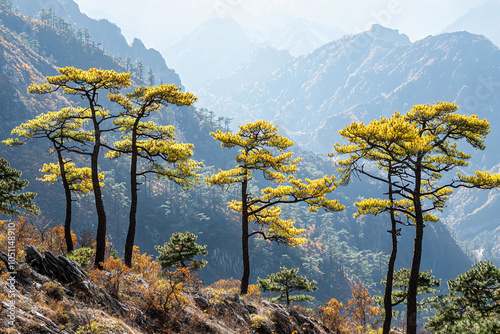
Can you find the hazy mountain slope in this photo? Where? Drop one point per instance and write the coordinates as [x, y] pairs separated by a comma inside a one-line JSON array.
[[20, 67], [480, 20], [361, 77], [301, 36], [365, 76], [103, 32], [341, 248], [214, 49]]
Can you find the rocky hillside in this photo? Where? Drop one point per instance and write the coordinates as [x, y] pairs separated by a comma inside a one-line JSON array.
[[358, 78], [21, 66], [479, 20], [55, 295]]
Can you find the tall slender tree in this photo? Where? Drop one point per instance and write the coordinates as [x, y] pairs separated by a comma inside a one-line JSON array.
[[423, 145], [263, 150], [152, 143], [88, 85], [373, 150], [60, 128]]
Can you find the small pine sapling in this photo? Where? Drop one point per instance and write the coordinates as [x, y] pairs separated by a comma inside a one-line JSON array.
[[181, 248], [287, 281]]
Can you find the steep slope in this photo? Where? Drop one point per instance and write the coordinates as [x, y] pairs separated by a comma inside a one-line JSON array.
[[357, 78], [20, 66], [103, 33], [341, 249]]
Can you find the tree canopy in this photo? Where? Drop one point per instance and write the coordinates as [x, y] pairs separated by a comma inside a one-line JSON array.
[[63, 129], [285, 282], [419, 146], [473, 303], [154, 144], [88, 85], [262, 149], [12, 200], [181, 248]]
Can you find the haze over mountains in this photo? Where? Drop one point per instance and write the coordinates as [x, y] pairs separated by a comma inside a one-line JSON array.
[[482, 20], [314, 83]]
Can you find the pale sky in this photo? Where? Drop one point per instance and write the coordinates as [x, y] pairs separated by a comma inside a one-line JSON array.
[[160, 23]]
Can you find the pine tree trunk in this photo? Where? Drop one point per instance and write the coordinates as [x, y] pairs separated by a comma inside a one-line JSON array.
[[67, 193], [392, 261], [129, 243], [244, 239], [100, 251], [411, 316]]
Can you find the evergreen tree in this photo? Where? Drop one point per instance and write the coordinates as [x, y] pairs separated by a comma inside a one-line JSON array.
[[420, 145], [426, 285], [181, 248], [473, 303], [263, 150], [88, 85], [11, 200], [151, 77], [152, 143], [285, 282], [60, 128], [139, 70]]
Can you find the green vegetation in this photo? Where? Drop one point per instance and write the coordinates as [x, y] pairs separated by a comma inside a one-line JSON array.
[[87, 85], [258, 180], [415, 149], [473, 303], [152, 143], [60, 128], [82, 256], [285, 282], [11, 201], [426, 285], [181, 248]]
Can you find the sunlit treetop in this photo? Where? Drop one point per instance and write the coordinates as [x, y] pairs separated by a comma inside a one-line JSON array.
[[154, 141], [261, 148], [60, 126], [146, 99], [426, 137], [79, 179], [77, 81]]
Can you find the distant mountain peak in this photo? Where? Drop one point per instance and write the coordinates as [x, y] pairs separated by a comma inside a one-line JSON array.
[[381, 32]]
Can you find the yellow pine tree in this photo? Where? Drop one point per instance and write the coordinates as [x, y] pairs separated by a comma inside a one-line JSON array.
[[415, 149], [261, 149], [152, 143], [88, 85], [60, 128]]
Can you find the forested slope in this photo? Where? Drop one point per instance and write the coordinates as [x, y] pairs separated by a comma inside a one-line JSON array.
[[340, 249]]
